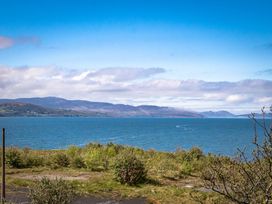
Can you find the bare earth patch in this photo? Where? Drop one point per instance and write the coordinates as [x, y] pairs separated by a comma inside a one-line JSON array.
[[18, 195], [52, 176]]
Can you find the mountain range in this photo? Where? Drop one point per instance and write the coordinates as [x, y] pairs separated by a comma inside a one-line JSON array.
[[53, 106]]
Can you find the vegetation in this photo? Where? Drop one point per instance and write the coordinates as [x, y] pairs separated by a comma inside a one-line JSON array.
[[109, 157], [27, 109], [122, 171], [130, 170], [243, 180], [48, 191], [60, 160], [22, 158], [13, 158]]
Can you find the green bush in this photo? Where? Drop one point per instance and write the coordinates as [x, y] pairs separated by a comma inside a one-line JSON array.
[[186, 169], [93, 146], [32, 161], [14, 158], [78, 162], [96, 160], [195, 153], [117, 148], [48, 191], [130, 170], [60, 160], [73, 151]]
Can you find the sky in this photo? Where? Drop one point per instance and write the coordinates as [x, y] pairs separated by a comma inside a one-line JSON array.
[[197, 55]]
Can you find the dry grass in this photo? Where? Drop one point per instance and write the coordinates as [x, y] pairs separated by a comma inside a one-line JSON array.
[[172, 177]]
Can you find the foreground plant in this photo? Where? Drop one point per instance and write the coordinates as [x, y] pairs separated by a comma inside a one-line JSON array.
[[130, 170], [48, 191], [244, 180]]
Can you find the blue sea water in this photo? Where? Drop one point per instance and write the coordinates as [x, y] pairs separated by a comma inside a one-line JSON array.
[[219, 136]]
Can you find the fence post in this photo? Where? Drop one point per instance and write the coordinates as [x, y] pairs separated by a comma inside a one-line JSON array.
[[3, 192]]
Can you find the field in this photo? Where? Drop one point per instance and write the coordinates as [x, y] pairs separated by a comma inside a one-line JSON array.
[[171, 177]]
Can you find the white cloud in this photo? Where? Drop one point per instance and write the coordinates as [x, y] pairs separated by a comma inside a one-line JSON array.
[[236, 98], [134, 86], [125, 74], [267, 100], [81, 76]]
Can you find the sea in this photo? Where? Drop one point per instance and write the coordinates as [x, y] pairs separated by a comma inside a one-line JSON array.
[[213, 135]]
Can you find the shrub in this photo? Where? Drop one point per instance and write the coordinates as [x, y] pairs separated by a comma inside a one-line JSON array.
[[78, 162], [14, 158], [130, 170], [73, 151], [60, 160], [32, 161], [95, 160], [246, 178], [93, 146], [195, 153], [117, 148], [48, 191], [186, 169]]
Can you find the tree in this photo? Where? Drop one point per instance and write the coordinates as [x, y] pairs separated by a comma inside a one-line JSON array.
[[242, 179]]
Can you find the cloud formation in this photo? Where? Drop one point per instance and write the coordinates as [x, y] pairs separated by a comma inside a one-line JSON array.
[[125, 74], [7, 42], [135, 86]]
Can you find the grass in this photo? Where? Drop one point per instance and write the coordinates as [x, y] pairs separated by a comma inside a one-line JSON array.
[[172, 177]]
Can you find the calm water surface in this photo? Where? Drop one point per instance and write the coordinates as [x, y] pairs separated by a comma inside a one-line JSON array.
[[221, 136]]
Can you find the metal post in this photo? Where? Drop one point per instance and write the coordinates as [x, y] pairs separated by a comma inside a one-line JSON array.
[[3, 192]]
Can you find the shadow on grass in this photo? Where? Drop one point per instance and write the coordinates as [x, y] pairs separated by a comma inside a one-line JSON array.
[[153, 182]]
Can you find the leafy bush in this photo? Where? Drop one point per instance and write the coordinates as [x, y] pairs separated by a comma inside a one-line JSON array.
[[117, 148], [78, 162], [60, 160], [48, 191], [130, 170], [14, 158], [73, 151], [95, 160], [195, 153], [32, 161], [93, 146], [186, 169]]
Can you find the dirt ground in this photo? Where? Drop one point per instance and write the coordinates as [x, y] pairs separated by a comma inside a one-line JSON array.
[[19, 196]]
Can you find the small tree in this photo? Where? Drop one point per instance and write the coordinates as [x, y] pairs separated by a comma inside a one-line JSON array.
[[244, 180]]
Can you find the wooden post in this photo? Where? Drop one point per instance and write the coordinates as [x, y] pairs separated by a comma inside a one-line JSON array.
[[3, 192]]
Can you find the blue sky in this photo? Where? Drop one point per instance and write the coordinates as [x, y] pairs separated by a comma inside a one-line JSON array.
[[193, 43]]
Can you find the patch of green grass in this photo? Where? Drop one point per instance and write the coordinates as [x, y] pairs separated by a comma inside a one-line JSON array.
[[90, 170]]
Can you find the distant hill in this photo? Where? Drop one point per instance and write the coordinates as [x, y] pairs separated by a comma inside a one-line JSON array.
[[53, 106], [26, 109], [217, 114], [89, 108]]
